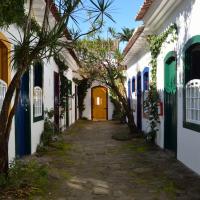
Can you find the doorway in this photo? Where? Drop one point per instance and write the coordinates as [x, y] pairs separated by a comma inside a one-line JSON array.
[[22, 120], [170, 103], [56, 101], [99, 103], [139, 101]]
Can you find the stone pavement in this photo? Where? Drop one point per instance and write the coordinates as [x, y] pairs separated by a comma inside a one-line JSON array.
[[96, 167]]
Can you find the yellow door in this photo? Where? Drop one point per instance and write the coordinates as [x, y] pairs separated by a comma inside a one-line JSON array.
[[99, 103]]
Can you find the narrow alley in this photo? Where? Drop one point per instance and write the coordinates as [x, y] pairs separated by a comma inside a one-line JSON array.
[[89, 164]]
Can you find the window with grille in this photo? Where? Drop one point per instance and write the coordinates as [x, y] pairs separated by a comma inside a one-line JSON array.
[[38, 92], [191, 98], [193, 101], [3, 88], [38, 107]]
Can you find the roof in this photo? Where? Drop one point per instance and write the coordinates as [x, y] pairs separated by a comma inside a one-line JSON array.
[[56, 15], [143, 10], [133, 39]]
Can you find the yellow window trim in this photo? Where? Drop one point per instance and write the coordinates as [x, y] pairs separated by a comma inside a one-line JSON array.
[[6, 42]]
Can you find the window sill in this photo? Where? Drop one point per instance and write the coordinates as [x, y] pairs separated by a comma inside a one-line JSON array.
[[191, 126], [37, 119]]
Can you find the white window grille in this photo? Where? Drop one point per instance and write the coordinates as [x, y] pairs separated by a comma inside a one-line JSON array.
[[38, 102], [193, 101], [3, 89]]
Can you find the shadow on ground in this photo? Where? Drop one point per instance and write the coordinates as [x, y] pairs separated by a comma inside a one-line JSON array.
[[86, 163]]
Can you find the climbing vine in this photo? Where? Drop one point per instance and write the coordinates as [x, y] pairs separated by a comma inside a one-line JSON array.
[[83, 85], [13, 12], [63, 83], [155, 43]]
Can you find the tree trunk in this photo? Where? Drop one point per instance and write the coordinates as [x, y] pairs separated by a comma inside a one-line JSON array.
[[3, 155], [131, 123], [127, 108]]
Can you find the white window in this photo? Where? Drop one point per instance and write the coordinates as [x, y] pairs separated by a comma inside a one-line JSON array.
[[193, 101], [38, 102], [3, 88]]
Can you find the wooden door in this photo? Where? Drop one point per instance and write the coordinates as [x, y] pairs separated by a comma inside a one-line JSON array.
[[139, 102], [76, 103], [99, 103], [56, 101], [22, 120], [170, 104]]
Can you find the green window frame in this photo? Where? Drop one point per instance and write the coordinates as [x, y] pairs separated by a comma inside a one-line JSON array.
[[190, 44]]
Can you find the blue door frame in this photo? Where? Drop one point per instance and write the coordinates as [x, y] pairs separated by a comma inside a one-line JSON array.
[[22, 120]]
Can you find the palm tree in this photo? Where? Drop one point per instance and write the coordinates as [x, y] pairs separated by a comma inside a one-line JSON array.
[[125, 35]]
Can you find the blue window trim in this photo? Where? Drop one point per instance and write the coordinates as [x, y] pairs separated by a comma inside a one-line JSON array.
[[146, 70], [129, 88]]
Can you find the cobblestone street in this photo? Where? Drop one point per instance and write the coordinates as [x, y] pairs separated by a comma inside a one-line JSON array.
[[98, 167]]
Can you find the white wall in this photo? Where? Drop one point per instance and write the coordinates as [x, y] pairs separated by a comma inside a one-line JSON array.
[[87, 102], [135, 65], [11, 145], [186, 16]]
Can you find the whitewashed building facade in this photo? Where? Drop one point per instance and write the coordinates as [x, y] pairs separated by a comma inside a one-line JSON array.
[[39, 92], [178, 76]]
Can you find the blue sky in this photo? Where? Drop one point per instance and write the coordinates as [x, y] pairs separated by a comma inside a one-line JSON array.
[[124, 13]]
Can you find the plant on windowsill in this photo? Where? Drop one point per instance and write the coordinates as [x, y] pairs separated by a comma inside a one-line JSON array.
[[155, 44]]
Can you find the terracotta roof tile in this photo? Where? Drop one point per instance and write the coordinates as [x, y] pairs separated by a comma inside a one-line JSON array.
[[145, 7], [56, 15]]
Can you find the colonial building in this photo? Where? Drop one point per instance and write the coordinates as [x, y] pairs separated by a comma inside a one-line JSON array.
[[178, 76], [40, 91]]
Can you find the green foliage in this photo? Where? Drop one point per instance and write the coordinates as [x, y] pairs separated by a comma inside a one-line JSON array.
[[118, 112], [60, 63], [48, 133], [63, 83], [155, 45], [24, 178], [83, 85], [11, 12], [125, 34]]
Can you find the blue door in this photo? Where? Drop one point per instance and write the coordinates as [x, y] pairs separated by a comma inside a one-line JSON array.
[[139, 102], [22, 120]]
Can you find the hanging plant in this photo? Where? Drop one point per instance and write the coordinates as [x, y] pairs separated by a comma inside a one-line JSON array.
[[155, 43]]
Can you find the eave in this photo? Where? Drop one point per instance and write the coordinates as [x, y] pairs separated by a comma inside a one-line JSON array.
[[144, 9], [135, 45], [133, 39], [54, 16], [158, 13]]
